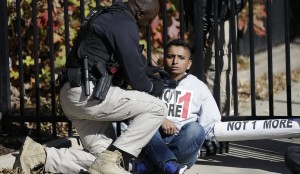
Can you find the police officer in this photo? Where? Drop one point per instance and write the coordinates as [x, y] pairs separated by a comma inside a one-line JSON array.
[[93, 94]]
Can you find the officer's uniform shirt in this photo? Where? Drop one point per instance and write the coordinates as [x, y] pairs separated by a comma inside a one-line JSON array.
[[122, 32]]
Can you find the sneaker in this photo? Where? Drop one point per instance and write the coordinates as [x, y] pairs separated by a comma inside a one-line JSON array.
[[171, 167], [32, 155], [139, 167], [108, 162]]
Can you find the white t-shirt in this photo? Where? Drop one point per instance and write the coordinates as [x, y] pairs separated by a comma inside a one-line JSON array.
[[192, 101]]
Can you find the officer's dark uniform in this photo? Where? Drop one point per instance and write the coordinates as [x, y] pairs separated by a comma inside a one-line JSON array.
[[118, 35], [113, 37]]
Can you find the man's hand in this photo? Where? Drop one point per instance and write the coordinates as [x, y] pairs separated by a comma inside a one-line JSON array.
[[168, 127]]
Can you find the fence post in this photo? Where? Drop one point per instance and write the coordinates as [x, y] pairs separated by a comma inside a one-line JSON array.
[[4, 62]]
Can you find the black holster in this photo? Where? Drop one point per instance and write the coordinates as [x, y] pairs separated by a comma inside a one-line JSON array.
[[102, 87], [103, 83]]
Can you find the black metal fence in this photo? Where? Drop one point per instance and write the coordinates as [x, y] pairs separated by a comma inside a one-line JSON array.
[[54, 117]]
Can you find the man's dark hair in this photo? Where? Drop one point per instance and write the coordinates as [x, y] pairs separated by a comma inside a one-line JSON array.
[[178, 42]]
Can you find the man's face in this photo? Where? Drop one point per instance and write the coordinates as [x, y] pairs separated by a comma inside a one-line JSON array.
[[177, 61]]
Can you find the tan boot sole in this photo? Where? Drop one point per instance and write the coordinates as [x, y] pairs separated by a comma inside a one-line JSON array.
[[92, 171], [21, 158]]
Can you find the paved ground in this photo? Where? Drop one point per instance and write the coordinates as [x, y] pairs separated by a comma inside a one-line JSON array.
[[246, 157]]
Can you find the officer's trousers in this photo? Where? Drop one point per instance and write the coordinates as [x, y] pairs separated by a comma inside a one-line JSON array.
[[93, 122]]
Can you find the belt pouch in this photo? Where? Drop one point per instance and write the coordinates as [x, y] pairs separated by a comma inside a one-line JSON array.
[[74, 76]]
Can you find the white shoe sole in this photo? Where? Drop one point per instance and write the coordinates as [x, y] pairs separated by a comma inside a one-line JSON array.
[[182, 170]]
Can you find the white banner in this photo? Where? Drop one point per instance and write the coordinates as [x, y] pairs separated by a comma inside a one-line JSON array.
[[257, 129]]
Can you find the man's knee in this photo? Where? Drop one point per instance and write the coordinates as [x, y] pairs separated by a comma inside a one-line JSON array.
[[194, 131]]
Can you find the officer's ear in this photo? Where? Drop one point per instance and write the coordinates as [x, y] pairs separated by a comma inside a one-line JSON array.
[[140, 15]]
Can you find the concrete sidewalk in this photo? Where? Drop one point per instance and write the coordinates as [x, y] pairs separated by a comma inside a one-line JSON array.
[[247, 157]]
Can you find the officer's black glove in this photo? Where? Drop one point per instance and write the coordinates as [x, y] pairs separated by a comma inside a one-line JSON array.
[[170, 83], [158, 87], [156, 72]]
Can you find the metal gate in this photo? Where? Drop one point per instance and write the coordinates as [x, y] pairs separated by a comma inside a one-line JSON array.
[[15, 29]]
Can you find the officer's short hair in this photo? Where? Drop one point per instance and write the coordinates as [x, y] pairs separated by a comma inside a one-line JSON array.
[[178, 42]]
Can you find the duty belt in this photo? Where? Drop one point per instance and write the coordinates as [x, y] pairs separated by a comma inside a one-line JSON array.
[[74, 76], [76, 79]]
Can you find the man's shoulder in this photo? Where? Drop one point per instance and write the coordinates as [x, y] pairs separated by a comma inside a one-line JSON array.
[[193, 79], [115, 22], [117, 15], [195, 84]]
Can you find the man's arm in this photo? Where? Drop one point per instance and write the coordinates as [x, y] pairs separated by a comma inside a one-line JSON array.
[[125, 43], [209, 113], [122, 34]]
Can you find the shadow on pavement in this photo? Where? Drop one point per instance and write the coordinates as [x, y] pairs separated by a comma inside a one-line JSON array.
[[266, 155]]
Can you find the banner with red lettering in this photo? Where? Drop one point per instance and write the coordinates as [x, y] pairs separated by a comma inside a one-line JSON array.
[[178, 102], [257, 129]]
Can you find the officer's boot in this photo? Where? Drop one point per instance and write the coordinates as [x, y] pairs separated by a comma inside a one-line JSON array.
[[31, 155], [108, 162]]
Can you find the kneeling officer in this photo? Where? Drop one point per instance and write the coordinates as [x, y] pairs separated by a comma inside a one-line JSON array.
[[104, 59]]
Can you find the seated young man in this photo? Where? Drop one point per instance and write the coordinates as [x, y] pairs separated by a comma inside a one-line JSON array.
[[192, 113]]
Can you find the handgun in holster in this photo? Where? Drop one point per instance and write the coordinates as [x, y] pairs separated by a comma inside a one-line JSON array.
[[103, 83]]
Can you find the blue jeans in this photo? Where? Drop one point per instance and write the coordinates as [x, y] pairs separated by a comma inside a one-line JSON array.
[[183, 147]]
